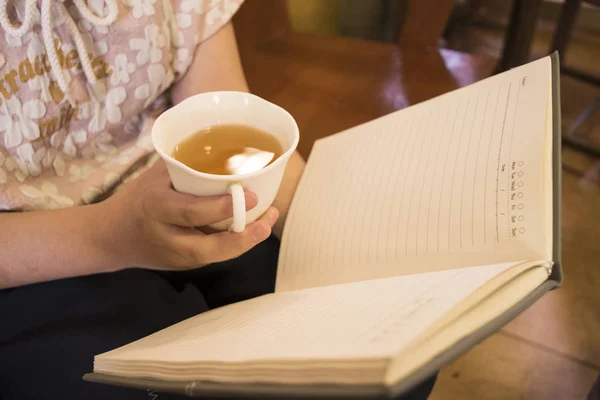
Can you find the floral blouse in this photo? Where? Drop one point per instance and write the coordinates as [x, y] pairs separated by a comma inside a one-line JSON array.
[[80, 87]]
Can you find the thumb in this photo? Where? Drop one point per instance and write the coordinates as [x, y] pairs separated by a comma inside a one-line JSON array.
[[224, 246]]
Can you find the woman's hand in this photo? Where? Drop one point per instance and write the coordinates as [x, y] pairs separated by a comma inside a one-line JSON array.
[[147, 224], [155, 226]]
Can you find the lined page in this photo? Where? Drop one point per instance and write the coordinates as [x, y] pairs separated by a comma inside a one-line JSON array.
[[351, 322], [454, 181]]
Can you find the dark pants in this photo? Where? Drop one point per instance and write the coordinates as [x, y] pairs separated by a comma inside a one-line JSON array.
[[50, 332], [595, 390]]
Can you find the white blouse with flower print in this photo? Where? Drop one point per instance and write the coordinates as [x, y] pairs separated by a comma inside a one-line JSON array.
[[81, 87]]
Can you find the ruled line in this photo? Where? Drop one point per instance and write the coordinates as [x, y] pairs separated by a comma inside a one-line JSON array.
[[454, 174], [412, 153], [437, 156], [412, 187], [302, 242], [347, 180], [485, 191], [499, 155], [394, 172], [462, 188], [405, 143], [357, 201], [367, 213], [444, 179], [434, 126], [383, 194], [405, 168], [310, 236], [475, 177], [378, 192]]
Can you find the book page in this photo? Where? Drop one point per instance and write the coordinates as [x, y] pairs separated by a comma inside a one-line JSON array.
[[454, 181], [462, 321], [333, 326]]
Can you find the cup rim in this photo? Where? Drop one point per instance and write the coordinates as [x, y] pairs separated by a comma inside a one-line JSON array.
[[286, 154]]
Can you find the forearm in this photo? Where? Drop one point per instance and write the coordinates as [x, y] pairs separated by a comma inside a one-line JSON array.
[[40, 246]]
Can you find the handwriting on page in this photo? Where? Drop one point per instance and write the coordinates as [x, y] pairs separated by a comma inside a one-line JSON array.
[[367, 319], [448, 176]]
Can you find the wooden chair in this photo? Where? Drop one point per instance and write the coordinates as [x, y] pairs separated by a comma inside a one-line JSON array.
[[333, 83], [560, 41], [517, 50]]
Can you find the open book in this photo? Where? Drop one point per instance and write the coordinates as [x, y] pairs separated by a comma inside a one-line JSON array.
[[410, 239]]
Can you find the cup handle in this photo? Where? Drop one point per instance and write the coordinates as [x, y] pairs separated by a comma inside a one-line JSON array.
[[239, 207]]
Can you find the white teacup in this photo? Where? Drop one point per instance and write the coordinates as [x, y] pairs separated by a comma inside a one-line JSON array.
[[218, 108]]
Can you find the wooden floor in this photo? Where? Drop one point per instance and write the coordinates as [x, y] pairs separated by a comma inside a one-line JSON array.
[[551, 351]]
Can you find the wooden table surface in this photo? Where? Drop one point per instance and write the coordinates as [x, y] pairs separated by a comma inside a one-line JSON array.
[[330, 84]]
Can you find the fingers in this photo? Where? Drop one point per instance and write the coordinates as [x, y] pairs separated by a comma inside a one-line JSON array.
[[191, 211], [222, 246], [187, 210]]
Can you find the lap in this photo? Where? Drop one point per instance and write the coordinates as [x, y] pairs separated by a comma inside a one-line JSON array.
[[53, 330], [50, 332]]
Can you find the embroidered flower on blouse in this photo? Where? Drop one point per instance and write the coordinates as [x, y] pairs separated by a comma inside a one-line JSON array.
[[9, 165], [17, 120], [191, 5], [86, 26], [18, 41], [80, 173], [100, 145], [182, 60], [214, 16], [106, 108], [141, 8], [46, 197], [3, 177], [62, 149], [150, 46], [32, 161], [122, 70], [230, 6], [28, 161], [158, 80], [182, 21], [98, 47]]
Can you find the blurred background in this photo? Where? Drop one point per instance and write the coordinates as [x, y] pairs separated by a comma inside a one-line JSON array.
[[338, 63]]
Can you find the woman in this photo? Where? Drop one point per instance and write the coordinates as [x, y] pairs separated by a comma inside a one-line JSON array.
[[97, 249]]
